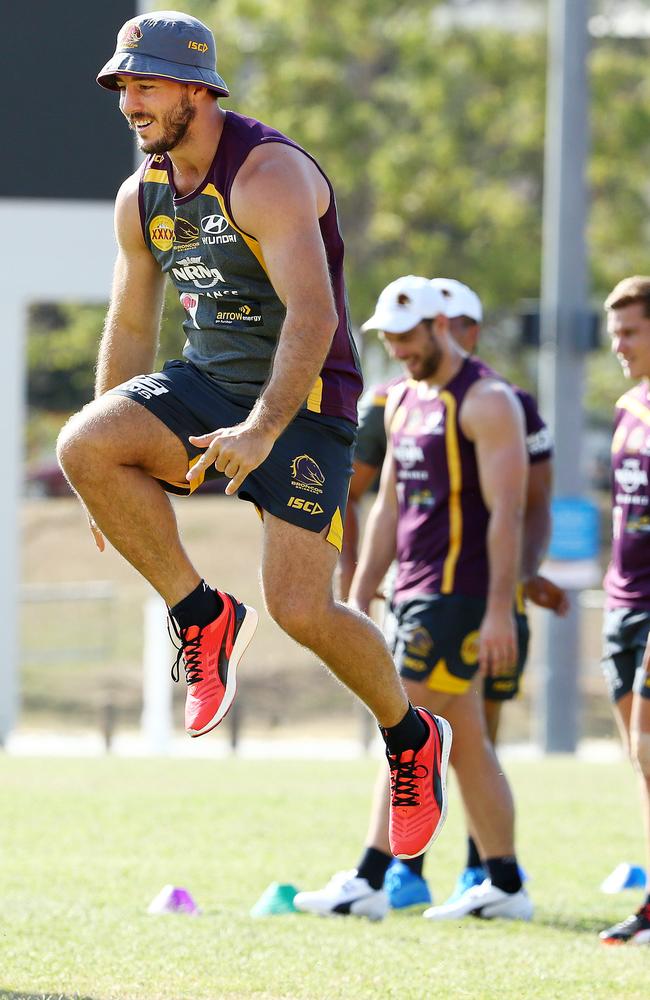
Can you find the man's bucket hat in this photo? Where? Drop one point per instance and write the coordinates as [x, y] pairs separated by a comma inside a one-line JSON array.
[[165, 44]]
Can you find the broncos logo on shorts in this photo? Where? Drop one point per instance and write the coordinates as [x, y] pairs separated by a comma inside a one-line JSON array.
[[306, 472]]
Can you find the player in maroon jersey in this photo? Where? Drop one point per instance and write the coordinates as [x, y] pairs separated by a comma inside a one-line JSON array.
[[450, 509], [626, 627], [404, 881]]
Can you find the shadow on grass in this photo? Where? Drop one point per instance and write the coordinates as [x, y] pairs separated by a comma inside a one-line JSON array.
[[21, 995], [566, 922]]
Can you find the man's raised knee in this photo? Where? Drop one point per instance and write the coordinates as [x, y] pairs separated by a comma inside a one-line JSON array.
[[72, 445], [295, 615]]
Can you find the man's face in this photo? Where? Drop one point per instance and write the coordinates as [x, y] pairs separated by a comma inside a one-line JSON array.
[[418, 349], [465, 332], [158, 111], [629, 329]]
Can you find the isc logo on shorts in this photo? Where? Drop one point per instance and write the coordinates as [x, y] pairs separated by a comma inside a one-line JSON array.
[[309, 506]]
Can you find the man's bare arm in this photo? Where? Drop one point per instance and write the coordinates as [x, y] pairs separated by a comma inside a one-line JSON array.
[[491, 417], [363, 476], [130, 337], [278, 197], [379, 540], [536, 534]]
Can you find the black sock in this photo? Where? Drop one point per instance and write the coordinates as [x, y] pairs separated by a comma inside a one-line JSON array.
[[409, 734], [415, 865], [373, 866], [200, 607], [473, 857], [504, 873]]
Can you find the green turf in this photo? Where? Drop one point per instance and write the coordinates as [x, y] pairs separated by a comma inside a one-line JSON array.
[[85, 845]]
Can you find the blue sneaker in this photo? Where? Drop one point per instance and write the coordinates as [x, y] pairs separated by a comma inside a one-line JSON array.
[[405, 888], [467, 880]]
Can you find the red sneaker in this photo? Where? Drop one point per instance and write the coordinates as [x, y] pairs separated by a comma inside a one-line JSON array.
[[211, 655], [418, 794]]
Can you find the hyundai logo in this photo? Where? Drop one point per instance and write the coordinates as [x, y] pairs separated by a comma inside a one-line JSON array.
[[214, 224]]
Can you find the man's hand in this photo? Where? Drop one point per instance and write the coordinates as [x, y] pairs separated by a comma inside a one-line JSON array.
[[358, 600], [235, 451], [546, 594], [497, 644]]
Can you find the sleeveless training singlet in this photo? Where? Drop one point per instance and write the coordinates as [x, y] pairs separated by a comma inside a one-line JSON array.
[[627, 581], [233, 314], [442, 523]]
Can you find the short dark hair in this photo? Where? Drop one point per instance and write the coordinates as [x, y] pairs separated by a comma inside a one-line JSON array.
[[466, 321], [628, 291]]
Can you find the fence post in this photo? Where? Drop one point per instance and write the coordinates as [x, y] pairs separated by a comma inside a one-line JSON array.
[[156, 683]]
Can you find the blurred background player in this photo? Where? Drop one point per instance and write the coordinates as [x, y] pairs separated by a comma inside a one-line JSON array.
[[626, 626], [404, 882], [450, 505]]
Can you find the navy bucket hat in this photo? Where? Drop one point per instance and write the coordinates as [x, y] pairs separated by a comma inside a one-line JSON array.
[[166, 44]]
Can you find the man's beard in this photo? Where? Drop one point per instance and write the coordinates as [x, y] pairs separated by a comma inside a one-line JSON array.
[[174, 125], [429, 364]]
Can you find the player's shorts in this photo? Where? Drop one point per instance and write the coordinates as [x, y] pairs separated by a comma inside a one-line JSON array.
[[435, 641], [304, 480], [625, 633]]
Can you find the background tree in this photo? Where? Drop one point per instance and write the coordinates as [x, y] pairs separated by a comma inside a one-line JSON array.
[[434, 142]]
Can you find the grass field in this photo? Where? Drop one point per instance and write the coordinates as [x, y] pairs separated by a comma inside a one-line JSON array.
[[85, 846]]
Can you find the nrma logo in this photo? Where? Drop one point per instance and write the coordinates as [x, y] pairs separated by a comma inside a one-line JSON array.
[[631, 477]]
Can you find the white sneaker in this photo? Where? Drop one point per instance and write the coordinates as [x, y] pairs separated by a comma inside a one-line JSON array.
[[345, 893], [486, 901]]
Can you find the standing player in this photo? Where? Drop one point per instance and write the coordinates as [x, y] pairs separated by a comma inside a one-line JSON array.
[[245, 224], [626, 628], [450, 505], [404, 883]]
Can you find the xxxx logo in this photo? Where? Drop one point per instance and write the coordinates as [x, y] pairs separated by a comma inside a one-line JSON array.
[[161, 232]]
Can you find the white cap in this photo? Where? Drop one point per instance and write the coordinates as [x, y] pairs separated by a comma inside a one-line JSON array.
[[460, 299], [405, 303]]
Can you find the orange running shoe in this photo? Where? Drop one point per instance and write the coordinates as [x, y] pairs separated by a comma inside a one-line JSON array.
[[211, 655], [418, 793]]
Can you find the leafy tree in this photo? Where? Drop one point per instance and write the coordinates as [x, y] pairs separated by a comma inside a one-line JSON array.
[[434, 142]]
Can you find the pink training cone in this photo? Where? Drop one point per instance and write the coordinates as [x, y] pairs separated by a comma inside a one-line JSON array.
[[174, 899]]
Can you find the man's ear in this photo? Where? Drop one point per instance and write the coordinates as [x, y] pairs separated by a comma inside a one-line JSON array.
[[441, 324]]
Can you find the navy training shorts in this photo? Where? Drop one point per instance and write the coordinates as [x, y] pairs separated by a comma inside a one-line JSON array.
[[304, 480], [625, 633], [434, 639]]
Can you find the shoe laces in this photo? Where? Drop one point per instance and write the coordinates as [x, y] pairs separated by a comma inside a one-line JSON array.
[[188, 650], [404, 777], [343, 880]]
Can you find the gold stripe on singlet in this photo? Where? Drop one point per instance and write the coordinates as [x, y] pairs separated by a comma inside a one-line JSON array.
[[455, 473], [315, 397], [156, 176], [251, 243], [635, 407]]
